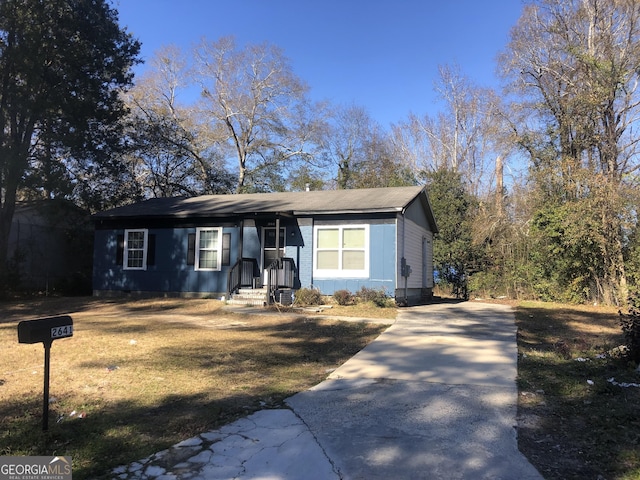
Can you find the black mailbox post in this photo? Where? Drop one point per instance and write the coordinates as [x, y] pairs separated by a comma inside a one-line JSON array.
[[45, 330]]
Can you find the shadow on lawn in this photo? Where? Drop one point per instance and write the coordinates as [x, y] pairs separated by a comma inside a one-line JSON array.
[[574, 423], [121, 431], [31, 307]]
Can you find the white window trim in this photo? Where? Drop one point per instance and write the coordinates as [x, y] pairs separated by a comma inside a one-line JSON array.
[[219, 249], [125, 256], [341, 273]]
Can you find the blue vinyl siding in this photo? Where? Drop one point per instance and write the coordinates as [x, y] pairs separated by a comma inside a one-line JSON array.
[[382, 264], [169, 273], [303, 255], [106, 274]]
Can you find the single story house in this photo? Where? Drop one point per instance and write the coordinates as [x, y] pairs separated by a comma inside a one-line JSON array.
[[274, 243]]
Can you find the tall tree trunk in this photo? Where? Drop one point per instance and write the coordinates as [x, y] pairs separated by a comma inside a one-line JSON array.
[[614, 274], [7, 209], [6, 218], [499, 185]]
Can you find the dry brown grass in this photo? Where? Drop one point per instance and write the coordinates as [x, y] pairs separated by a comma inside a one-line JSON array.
[[142, 375], [360, 310], [574, 423]]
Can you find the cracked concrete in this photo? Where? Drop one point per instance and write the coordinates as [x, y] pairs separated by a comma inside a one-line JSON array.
[[433, 397], [267, 444]]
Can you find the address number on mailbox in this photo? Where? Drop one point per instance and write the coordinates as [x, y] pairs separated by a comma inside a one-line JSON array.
[[62, 331], [45, 330]]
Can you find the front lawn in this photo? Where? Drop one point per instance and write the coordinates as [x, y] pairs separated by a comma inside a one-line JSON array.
[[139, 376], [579, 401]]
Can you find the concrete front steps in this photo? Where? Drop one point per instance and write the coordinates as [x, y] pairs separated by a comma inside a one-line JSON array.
[[259, 297], [249, 296]]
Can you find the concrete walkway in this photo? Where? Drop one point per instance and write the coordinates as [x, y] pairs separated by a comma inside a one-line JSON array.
[[434, 397]]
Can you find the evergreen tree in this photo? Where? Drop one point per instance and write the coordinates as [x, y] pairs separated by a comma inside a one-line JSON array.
[[63, 64], [453, 252]]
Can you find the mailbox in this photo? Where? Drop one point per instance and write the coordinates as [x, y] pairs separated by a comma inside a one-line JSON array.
[[45, 329]]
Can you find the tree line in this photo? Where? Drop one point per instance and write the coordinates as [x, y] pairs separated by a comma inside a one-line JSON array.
[[534, 187]]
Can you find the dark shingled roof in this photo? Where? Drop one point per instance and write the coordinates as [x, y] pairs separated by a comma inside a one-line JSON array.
[[367, 200]]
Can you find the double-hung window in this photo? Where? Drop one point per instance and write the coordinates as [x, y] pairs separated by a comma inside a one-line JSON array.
[[135, 249], [341, 251], [208, 254]]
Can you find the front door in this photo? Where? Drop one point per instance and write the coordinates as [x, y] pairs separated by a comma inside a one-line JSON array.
[[269, 251]]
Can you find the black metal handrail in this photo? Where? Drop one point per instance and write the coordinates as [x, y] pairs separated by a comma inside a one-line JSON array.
[[242, 274], [281, 273]]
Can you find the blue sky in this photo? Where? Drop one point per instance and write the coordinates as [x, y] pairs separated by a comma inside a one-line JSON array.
[[379, 54]]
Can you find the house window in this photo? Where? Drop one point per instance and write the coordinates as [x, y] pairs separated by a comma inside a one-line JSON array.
[[135, 249], [209, 248], [341, 251]]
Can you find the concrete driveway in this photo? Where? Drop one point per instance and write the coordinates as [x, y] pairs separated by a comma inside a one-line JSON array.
[[434, 397]]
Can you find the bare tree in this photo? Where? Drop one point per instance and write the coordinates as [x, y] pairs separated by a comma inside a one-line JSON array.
[[462, 137], [362, 152], [174, 153], [253, 95], [344, 141]]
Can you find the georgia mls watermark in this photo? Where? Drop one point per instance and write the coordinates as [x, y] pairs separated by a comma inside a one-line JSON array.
[[35, 468]]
